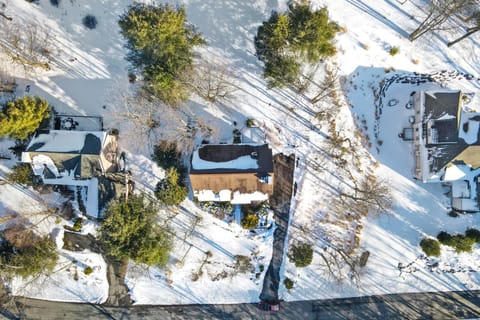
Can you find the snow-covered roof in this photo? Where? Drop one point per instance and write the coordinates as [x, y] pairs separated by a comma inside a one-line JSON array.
[[469, 127], [229, 196], [64, 141], [232, 158], [456, 172], [242, 163]]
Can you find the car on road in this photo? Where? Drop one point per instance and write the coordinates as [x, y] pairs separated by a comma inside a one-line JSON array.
[[269, 306]]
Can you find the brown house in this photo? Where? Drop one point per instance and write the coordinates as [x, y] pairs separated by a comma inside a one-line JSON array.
[[237, 173]]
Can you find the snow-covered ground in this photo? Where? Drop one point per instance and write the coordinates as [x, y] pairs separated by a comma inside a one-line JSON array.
[[89, 73]]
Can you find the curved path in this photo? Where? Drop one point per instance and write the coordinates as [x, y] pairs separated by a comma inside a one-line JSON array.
[[438, 305]]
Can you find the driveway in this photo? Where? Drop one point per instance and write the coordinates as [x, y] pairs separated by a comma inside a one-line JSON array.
[[283, 169]]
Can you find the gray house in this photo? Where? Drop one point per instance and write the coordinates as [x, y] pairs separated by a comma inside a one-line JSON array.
[[74, 158]]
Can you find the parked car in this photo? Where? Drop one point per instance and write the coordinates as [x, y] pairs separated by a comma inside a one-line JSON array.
[[269, 306]]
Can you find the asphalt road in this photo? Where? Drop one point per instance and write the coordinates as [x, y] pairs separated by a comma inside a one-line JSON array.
[[440, 305]]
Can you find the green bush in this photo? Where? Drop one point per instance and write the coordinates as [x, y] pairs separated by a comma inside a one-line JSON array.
[[22, 174], [165, 154], [430, 247], [473, 234], [250, 221], [288, 283], [460, 242], [301, 254], [77, 225], [394, 50], [130, 231], [90, 21], [88, 271], [250, 123], [170, 191]]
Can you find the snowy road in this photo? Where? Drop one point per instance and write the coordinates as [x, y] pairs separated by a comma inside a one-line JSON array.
[[441, 305]]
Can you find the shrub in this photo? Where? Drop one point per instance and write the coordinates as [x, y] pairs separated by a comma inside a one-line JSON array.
[[250, 221], [394, 50], [22, 174], [170, 191], [301, 254], [431, 247], [288, 283], [77, 225], [250, 123], [473, 234], [242, 263], [460, 242], [88, 271], [165, 154], [90, 21]]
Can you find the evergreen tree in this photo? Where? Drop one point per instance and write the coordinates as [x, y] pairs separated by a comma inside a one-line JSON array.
[[26, 253], [288, 39], [161, 45], [20, 118], [170, 191], [130, 231], [22, 174]]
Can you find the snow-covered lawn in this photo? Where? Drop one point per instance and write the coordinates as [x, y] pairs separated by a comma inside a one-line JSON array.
[[89, 74], [203, 266]]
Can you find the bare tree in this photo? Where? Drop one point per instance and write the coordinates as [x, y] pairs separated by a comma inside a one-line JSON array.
[[213, 81], [27, 45], [3, 7], [368, 194], [471, 30], [438, 12], [328, 86]]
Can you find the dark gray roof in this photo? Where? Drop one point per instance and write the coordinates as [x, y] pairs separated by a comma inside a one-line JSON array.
[[448, 145], [229, 152], [442, 103]]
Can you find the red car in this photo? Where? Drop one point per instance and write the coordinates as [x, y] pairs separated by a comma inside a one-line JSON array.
[[269, 306]]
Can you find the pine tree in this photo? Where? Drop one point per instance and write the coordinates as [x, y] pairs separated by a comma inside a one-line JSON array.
[[130, 231], [20, 118], [161, 46], [288, 39], [170, 191]]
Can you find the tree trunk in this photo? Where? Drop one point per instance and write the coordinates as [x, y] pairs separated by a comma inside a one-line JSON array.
[[470, 31]]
